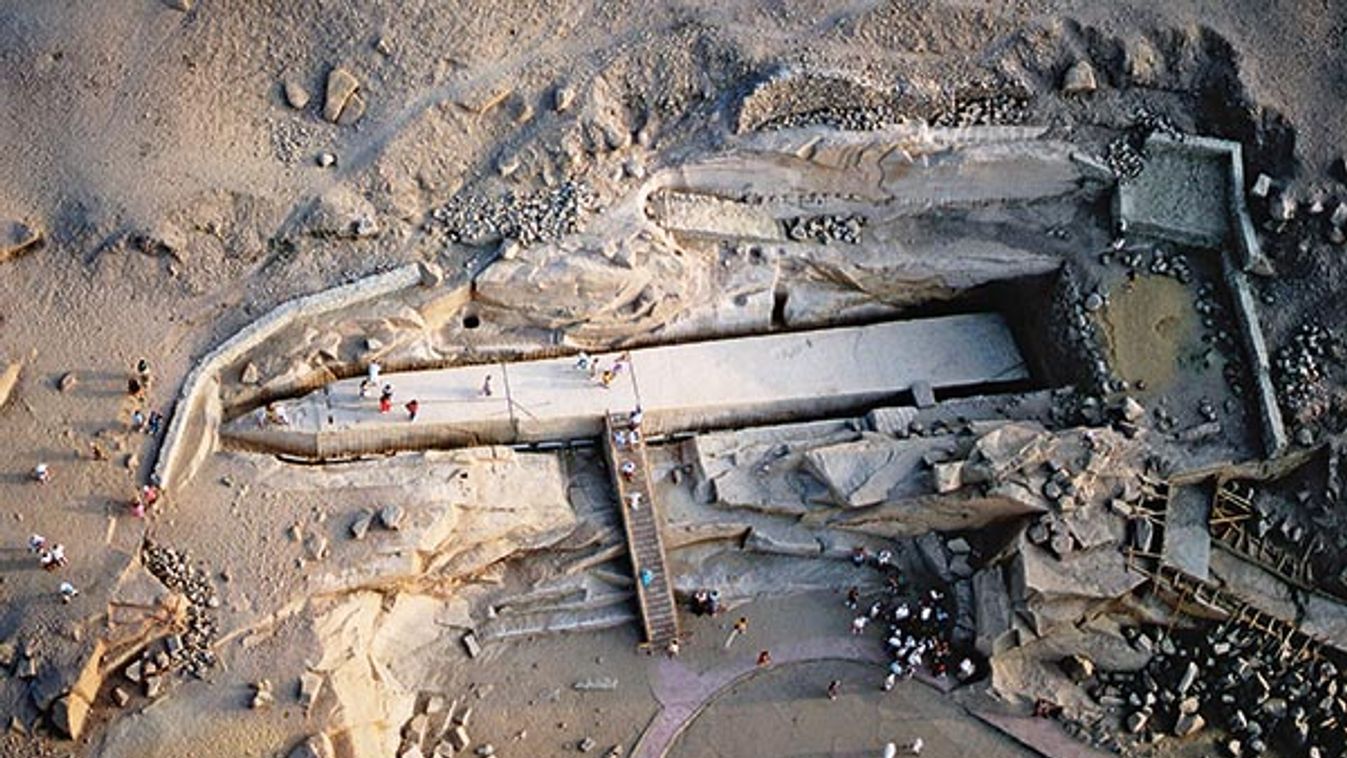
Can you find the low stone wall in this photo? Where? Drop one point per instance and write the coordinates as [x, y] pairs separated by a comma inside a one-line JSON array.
[[1265, 393], [193, 428], [1137, 200]]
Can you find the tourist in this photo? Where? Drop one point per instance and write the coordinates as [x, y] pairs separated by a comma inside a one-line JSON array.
[[672, 648], [740, 627], [914, 747], [412, 407], [967, 669], [647, 576], [41, 473], [365, 387], [36, 543], [606, 378], [834, 687], [68, 592], [622, 362], [582, 361], [874, 610], [628, 470], [53, 558], [277, 415], [634, 437], [155, 423], [859, 556], [885, 558], [134, 388], [149, 495], [138, 420], [636, 417], [764, 659], [889, 681], [853, 597], [486, 386], [890, 750], [143, 371], [635, 499], [858, 624], [372, 374], [386, 399]]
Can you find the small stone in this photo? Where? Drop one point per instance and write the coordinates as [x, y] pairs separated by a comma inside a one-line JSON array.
[[1304, 436], [180, 5], [1132, 410], [296, 96], [586, 745], [602, 683], [1137, 721], [959, 546], [390, 517], [310, 686], [16, 726], [120, 697], [1189, 676], [360, 526], [325, 159], [1189, 723], [68, 381], [1282, 207], [154, 686], [27, 668], [486, 751], [1189, 705], [68, 715], [133, 672], [922, 394], [1079, 79], [315, 545], [510, 249], [250, 374], [471, 644], [1094, 301], [563, 98], [1261, 186]]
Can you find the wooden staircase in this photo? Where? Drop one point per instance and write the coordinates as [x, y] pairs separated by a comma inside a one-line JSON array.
[[642, 524]]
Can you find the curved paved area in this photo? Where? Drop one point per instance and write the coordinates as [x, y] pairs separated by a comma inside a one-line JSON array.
[[683, 693]]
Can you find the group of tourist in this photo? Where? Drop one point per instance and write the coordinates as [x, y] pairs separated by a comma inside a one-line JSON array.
[[604, 377]]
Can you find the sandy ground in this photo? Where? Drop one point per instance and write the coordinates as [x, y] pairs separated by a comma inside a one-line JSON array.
[[128, 119]]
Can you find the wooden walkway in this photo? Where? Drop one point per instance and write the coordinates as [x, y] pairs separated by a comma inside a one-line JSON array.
[[642, 523]]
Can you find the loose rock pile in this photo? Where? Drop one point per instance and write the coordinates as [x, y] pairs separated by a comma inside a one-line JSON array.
[[1000, 109], [1301, 372], [190, 650], [826, 228], [530, 219], [851, 119], [1227, 677], [1126, 155]]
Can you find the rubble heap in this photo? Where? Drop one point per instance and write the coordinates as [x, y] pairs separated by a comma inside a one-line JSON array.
[[530, 219], [191, 650], [1301, 369], [1261, 693]]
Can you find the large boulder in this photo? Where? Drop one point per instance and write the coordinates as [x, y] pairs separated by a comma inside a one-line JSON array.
[[316, 746]]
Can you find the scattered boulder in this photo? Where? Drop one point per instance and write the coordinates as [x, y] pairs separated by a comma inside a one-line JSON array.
[[325, 159], [296, 96], [180, 5], [250, 374], [68, 382], [315, 545], [471, 644], [120, 696], [69, 713], [458, 738], [344, 104], [562, 98], [431, 273], [310, 686], [391, 516], [1079, 79], [360, 527], [18, 238], [262, 696], [1189, 723]]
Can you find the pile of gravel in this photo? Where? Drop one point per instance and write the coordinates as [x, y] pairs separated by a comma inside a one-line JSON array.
[[191, 651], [531, 218]]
